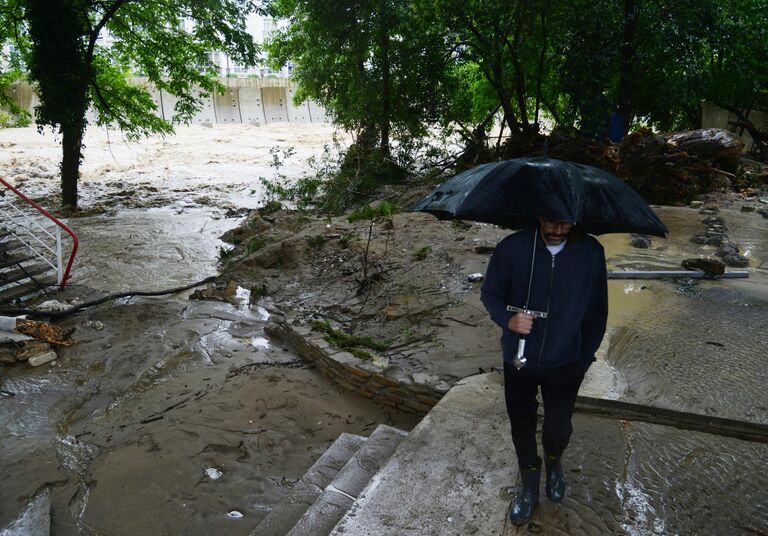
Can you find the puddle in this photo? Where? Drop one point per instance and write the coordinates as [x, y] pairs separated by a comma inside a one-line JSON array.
[[260, 342]]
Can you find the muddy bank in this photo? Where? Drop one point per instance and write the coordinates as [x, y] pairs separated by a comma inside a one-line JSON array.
[[128, 425]]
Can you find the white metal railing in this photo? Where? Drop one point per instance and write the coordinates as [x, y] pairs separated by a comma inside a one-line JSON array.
[[38, 230]]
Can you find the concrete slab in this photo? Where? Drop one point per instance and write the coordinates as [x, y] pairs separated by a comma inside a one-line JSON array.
[[251, 107], [297, 113], [455, 475], [339, 495], [317, 113], [446, 477], [287, 513], [227, 106], [274, 101]]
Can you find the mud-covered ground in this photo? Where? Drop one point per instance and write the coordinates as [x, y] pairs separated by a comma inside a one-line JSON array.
[[157, 391]]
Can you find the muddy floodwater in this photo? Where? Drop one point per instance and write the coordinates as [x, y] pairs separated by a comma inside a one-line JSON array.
[[170, 414]]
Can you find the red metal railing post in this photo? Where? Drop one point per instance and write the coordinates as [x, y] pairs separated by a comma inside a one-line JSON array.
[[55, 220]]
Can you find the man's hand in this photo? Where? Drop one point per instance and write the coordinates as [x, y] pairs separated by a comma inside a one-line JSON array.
[[521, 323]]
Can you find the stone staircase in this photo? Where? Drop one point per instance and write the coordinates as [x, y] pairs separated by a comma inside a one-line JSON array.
[[22, 273], [328, 489]]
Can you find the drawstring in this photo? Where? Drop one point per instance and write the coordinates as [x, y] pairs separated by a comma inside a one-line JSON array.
[[533, 259]]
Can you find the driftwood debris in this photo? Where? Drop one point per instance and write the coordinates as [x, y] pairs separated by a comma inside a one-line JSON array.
[[670, 169], [744, 430], [674, 168]]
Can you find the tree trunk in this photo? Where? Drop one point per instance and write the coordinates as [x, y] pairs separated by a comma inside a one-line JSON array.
[[385, 78], [71, 144], [519, 72], [626, 71]]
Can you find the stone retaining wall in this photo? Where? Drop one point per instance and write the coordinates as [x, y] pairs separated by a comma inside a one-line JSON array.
[[412, 393]]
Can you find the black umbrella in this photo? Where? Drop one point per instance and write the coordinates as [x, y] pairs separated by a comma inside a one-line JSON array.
[[513, 192]]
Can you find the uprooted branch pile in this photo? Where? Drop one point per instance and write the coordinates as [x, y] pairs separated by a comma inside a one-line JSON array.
[[664, 168]]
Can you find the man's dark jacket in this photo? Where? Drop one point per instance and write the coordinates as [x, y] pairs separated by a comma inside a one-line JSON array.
[[570, 286]]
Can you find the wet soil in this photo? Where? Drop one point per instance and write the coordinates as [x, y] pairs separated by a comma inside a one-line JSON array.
[[155, 392]]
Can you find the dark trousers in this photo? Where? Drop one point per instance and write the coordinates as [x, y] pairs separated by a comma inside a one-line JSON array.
[[559, 387]]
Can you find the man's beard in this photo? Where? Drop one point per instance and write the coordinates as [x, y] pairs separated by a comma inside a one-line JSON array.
[[555, 239]]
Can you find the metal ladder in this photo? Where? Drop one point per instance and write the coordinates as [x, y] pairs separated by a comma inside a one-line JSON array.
[[32, 247]]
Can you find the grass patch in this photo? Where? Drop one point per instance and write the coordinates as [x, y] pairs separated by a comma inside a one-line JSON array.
[[421, 254], [351, 343], [255, 244], [270, 207], [316, 242]]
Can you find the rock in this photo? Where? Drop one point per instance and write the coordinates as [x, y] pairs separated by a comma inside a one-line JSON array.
[[714, 240], [696, 204], [714, 221], [736, 261], [641, 241], [764, 200], [42, 359], [31, 348], [748, 208], [483, 249], [474, 278], [727, 248], [713, 266], [699, 238], [763, 212], [7, 357]]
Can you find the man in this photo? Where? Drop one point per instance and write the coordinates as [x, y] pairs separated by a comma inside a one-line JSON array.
[[556, 269]]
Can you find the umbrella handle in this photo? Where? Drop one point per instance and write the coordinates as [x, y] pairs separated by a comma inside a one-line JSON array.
[[519, 361]]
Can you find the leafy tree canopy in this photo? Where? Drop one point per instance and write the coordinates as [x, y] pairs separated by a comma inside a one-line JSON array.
[[73, 70]]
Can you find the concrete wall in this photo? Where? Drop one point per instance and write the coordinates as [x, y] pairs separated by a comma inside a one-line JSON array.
[[713, 116], [245, 100], [412, 393], [275, 108]]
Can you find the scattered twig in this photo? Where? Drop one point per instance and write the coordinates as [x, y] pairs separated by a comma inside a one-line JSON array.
[[753, 530], [470, 324]]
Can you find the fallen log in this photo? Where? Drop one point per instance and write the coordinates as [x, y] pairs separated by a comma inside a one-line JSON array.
[[745, 430]]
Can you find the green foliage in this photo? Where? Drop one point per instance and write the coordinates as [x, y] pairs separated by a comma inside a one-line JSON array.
[[352, 343], [72, 71], [422, 253], [255, 244], [258, 292], [270, 207], [375, 65], [385, 209], [316, 242], [11, 70], [225, 254], [13, 120], [347, 238]]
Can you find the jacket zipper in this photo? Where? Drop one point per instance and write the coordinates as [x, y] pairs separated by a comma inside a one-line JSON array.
[[549, 295]]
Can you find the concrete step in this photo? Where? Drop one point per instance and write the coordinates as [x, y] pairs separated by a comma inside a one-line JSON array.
[[341, 493], [14, 275], [446, 476], [7, 246], [19, 291], [12, 260], [306, 491]]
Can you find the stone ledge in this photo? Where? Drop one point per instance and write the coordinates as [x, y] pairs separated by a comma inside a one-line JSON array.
[[417, 393]]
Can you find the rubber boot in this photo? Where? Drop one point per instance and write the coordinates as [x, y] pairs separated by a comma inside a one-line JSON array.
[[528, 498], [555, 478]]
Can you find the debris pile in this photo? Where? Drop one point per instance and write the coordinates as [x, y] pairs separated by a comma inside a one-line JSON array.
[[30, 340]]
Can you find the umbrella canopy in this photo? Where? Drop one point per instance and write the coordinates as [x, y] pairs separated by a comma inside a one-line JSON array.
[[513, 192]]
